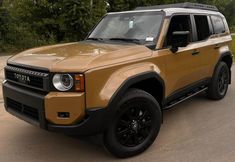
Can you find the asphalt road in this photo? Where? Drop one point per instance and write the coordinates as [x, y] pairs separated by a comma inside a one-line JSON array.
[[197, 130]]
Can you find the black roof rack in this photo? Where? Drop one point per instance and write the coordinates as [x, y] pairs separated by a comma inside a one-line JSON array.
[[181, 5]]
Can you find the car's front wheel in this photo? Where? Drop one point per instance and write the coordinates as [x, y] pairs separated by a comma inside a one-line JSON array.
[[135, 126]]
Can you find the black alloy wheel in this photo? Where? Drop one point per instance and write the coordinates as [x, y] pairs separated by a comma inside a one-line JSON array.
[[223, 80], [218, 86], [135, 125]]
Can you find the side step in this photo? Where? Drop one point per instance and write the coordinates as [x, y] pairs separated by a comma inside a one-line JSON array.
[[185, 97]]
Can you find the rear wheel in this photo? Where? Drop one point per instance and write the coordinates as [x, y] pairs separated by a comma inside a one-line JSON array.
[[135, 126], [219, 83]]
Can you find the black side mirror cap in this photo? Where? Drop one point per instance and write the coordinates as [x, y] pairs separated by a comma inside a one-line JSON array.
[[179, 39], [180, 33]]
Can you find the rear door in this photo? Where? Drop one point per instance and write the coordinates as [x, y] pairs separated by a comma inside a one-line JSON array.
[[204, 44], [221, 38], [211, 40]]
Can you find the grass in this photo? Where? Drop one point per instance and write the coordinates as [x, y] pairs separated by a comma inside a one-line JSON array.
[[232, 29], [233, 46], [5, 53]]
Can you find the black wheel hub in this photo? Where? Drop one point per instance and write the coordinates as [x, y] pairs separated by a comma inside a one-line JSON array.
[[223, 81], [134, 126]]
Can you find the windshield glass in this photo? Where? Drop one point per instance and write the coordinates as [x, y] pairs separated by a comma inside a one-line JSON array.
[[138, 26]]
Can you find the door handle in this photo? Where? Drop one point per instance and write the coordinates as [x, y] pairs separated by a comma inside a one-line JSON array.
[[217, 46], [195, 52]]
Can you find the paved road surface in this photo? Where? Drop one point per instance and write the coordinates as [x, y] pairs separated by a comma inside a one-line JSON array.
[[198, 130]]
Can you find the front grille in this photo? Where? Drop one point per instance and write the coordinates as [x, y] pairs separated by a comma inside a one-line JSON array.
[[29, 78], [23, 109]]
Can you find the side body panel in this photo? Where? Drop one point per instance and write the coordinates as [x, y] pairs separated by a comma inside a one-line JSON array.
[[102, 84], [177, 70], [221, 44]]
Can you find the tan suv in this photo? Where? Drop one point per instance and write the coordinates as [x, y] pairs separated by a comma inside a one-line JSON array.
[[131, 67]]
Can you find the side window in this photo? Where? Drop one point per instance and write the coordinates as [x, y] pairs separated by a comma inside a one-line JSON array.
[[202, 25], [178, 23], [218, 24]]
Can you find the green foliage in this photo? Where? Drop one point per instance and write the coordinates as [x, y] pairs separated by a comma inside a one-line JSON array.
[[230, 13], [233, 46], [30, 23], [33, 23], [119, 5], [3, 24], [80, 16], [25, 28], [232, 29]]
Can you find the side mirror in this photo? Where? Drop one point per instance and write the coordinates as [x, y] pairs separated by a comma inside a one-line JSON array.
[[179, 39]]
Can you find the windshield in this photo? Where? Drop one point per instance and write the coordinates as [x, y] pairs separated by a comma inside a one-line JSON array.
[[135, 26]]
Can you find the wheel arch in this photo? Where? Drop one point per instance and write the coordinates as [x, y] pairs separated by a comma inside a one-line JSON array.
[[150, 82], [226, 57]]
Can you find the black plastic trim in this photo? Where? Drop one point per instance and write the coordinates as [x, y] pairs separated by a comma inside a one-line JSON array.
[[188, 5], [32, 73], [27, 67], [133, 80], [228, 53], [183, 91], [25, 97], [93, 124]]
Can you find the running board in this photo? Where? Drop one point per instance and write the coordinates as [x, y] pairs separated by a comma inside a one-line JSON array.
[[183, 98]]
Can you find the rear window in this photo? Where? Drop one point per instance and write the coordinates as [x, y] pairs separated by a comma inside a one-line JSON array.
[[218, 24], [203, 30]]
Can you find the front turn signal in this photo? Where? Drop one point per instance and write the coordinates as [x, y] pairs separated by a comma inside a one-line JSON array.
[[79, 83]]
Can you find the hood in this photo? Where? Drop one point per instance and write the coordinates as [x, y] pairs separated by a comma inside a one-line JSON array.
[[79, 56]]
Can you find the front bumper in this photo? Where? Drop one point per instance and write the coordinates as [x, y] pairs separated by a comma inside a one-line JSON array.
[[36, 108]]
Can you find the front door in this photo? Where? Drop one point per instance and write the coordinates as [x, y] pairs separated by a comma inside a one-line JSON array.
[[183, 67]]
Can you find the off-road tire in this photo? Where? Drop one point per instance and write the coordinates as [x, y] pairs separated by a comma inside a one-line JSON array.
[[218, 86], [139, 118]]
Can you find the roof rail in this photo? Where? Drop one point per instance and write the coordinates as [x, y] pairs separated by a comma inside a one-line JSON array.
[[181, 5]]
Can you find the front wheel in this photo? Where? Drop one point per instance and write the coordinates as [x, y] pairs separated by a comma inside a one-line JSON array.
[[219, 84], [135, 126]]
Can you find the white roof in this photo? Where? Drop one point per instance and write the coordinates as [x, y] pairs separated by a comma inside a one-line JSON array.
[[171, 11]]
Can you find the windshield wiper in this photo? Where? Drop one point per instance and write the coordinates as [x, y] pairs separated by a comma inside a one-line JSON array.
[[96, 39], [137, 41]]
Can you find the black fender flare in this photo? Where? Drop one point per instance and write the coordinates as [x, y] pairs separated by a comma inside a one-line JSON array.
[[112, 106], [225, 54], [99, 119]]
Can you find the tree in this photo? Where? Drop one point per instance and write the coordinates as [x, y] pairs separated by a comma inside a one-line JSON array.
[[119, 5], [80, 16], [39, 22], [3, 24], [230, 13], [29, 23]]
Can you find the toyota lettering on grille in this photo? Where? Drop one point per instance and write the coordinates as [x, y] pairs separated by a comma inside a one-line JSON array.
[[22, 78]]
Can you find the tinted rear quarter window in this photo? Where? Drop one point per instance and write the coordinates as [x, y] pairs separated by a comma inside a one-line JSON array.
[[218, 24]]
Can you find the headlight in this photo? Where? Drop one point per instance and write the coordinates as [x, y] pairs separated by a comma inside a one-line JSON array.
[[63, 82]]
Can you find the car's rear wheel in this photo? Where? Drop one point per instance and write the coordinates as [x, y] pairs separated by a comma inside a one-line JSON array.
[[219, 84], [135, 126]]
